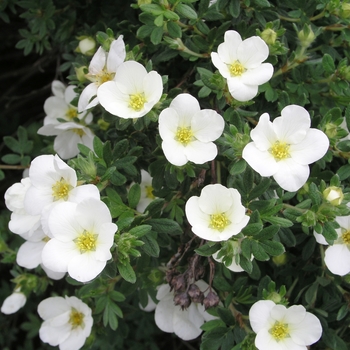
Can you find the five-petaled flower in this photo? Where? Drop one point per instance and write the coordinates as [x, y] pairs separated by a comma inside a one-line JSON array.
[[102, 68], [67, 322], [284, 148], [217, 214], [188, 132], [133, 92], [83, 235], [337, 256], [240, 62], [281, 328]]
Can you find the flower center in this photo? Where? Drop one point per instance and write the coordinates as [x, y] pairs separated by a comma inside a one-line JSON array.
[[71, 113], [102, 77], [60, 190], [149, 192], [79, 132], [219, 221], [137, 102], [279, 331], [76, 318], [280, 150], [184, 135], [346, 237], [86, 242], [236, 69]]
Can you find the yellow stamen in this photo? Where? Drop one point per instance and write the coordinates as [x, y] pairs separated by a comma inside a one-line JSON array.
[[236, 69], [279, 331], [137, 102], [184, 135], [60, 190], [219, 221], [280, 150], [79, 132], [71, 113], [86, 242], [101, 77], [346, 237], [76, 318], [149, 192]]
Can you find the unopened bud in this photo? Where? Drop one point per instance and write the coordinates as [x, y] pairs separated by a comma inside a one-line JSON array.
[[344, 11], [103, 124], [306, 36], [269, 36], [333, 195], [195, 294], [280, 260], [80, 73], [182, 299], [211, 300], [87, 46], [331, 130], [275, 297]]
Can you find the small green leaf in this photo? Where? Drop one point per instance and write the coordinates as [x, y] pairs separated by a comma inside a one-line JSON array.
[[186, 11], [207, 249], [165, 226], [98, 147], [134, 195], [328, 64], [127, 272], [259, 252], [157, 35], [11, 158], [151, 246], [140, 231]]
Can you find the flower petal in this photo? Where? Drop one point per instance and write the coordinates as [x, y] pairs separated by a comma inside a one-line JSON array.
[[259, 315], [240, 91], [227, 51], [215, 199], [252, 52], [259, 75], [85, 99], [116, 54], [200, 152], [183, 327], [29, 254], [186, 107], [220, 65], [174, 152], [98, 61], [207, 125], [337, 259], [163, 315]]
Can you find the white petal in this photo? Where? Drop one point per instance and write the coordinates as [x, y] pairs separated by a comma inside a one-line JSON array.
[[264, 341], [13, 303], [79, 193], [29, 254], [293, 124], [153, 89], [186, 107], [343, 221], [263, 134], [259, 315], [54, 335], [98, 61], [306, 332], [337, 259], [66, 144], [53, 274], [320, 238], [215, 199], [183, 327], [163, 315], [84, 267], [312, 148], [290, 175], [220, 65], [131, 74], [227, 51], [55, 107], [174, 152], [241, 91], [252, 52], [200, 152], [261, 161], [168, 123], [70, 94], [21, 224], [58, 88], [295, 314], [75, 340], [207, 125], [52, 307], [87, 94], [116, 54], [259, 75]]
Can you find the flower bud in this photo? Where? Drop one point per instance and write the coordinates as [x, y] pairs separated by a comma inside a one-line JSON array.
[[280, 260], [275, 297], [269, 36], [211, 300], [344, 73], [195, 294], [333, 195], [344, 11], [87, 46], [80, 73], [306, 36], [103, 124], [182, 299], [331, 130]]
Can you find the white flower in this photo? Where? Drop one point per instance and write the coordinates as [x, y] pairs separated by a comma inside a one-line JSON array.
[[217, 214], [188, 132], [279, 328], [337, 256], [240, 62], [171, 318], [59, 106], [53, 181], [68, 135], [67, 322], [21, 222], [132, 93], [102, 68], [13, 302], [284, 148], [147, 195], [83, 234]]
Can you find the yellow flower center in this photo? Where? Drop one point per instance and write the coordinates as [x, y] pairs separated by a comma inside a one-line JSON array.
[[60, 190], [279, 331], [149, 192], [86, 242], [236, 69], [79, 132], [101, 77], [280, 150], [137, 102], [71, 113], [219, 221], [76, 318], [184, 135], [346, 237], [46, 239]]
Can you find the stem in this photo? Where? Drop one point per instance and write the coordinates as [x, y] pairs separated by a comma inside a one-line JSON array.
[[13, 167], [290, 290], [289, 19]]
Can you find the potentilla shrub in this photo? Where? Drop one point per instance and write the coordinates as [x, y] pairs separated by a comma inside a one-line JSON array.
[[186, 185]]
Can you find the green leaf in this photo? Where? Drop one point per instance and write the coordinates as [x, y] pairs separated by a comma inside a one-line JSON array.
[[157, 35], [155, 206], [98, 147], [252, 229], [276, 220], [262, 3], [259, 252], [151, 246], [267, 233], [226, 316], [134, 195], [12, 144], [140, 231], [212, 324], [273, 248], [311, 294], [116, 296], [207, 249], [328, 64], [329, 232], [315, 194], [11, 158], [117, 178], [234, 8], [152, 8], [165, 226], [159, 20], [174, 30], [186, 11], [172, 16], [127, 272], [248, 179], [238, 167]]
